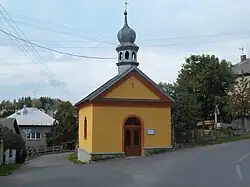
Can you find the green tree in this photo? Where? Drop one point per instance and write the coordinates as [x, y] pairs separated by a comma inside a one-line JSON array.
[[207, 79], [203, 82], [37, 103], [3, 130], [65, 128], [168, 88]]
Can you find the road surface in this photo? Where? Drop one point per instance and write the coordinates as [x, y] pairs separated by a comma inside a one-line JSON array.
[[226, 165]]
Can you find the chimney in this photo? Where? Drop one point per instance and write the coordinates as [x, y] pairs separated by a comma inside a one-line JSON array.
[[24, 109], [243, 58]]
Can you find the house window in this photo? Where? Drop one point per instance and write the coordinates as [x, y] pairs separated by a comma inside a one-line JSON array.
[[38, 135], [29, 136], [85, 128], [34, 136]]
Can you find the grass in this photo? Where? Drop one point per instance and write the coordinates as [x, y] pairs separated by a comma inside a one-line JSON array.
[[73, 158], [6, 170], [220, 140]]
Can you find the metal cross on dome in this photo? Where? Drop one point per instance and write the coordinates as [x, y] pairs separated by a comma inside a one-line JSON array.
[[126, 5]]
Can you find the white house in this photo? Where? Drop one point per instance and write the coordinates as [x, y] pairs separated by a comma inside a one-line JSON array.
[[34, 124]]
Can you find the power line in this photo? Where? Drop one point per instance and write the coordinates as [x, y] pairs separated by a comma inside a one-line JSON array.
[[201, 36], [153, 39], [162, 39], [193, 43], [31, 47], [146, 46], [65, 32], [36, 20], [23, 48], [56, 51]]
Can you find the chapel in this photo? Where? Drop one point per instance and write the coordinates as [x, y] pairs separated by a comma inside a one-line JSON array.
[[129, 115]]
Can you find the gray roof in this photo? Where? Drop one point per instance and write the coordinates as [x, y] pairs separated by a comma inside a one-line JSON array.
[[10, 123], [242, 66], [32, 116], [118, 77]]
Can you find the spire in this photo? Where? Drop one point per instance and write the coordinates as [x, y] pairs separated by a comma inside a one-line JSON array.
[[127, 49], [126, 18], [126, 13]]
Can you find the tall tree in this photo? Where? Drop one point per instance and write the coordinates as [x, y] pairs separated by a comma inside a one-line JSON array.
[[65, 129], [203, 82], [168, 88], [208, 79]]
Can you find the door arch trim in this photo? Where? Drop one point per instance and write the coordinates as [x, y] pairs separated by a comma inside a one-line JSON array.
[[142, 131]]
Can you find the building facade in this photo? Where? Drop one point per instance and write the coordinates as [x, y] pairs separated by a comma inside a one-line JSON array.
[[240, 69], [127, 116], [33, 124]]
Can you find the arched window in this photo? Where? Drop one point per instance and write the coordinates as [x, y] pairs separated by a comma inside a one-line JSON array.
[[120, 56], [133, 56], [126, 55], [85, 128]]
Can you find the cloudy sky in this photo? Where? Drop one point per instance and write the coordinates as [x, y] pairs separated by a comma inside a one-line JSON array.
[[167, 32]]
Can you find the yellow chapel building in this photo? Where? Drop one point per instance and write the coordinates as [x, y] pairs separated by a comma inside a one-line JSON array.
[[129, 115]]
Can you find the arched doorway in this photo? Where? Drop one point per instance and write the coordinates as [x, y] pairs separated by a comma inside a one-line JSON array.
[[132, 136]]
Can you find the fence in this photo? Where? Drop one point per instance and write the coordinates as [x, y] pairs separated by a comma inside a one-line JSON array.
[[44, 150], [206, 137]]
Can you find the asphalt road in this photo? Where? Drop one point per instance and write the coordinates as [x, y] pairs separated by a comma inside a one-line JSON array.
[[226, 165]]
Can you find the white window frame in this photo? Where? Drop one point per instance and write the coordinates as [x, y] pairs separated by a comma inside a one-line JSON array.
[[29, 137]]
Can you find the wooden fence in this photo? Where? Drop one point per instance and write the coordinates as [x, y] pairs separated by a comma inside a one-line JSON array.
[[44, 150]]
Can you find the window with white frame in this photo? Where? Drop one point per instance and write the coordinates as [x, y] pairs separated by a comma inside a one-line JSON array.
[[34, 136]]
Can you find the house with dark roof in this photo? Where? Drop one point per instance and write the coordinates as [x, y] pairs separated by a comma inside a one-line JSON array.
[[10, 123], [129, 115]]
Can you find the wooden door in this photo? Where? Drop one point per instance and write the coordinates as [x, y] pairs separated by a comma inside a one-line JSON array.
[[132, 139]]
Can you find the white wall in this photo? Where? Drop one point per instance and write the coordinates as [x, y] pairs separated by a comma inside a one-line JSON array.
[[10, 158]]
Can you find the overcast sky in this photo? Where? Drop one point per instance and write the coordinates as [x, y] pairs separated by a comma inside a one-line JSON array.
[[167, 32]]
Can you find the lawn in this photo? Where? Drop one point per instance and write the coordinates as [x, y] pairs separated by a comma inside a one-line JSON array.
[[220, 140], [6, 170], [73, 158]]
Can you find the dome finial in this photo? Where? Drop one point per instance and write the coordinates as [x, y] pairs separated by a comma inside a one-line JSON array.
[[126, 5], [126, 18], [126, 13], [126, 34]]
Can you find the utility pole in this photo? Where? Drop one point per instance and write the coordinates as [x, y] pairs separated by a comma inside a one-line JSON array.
[[35, 91], [33, 104]]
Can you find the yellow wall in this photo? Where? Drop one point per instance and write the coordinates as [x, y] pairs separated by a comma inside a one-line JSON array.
[[132, 89], [107, 130], [88, 113]]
